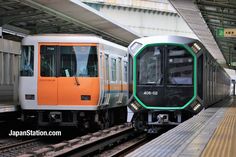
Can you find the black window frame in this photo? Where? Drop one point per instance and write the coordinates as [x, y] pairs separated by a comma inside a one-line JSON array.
[[58, 61]]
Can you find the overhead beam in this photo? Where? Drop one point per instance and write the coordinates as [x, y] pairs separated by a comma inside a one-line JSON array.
[[203, 3], [58, 14], [218, 14], [15, 30], [218, 17]]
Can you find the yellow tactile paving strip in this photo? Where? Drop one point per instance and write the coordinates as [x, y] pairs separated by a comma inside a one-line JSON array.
[[223, 141]]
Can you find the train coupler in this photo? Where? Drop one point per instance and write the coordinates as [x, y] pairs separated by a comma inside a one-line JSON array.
[[55, 117]]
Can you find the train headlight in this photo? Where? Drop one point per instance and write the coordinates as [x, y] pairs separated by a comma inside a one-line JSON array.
[[196, 107], [196, 48], [135, 46], [134, 106]]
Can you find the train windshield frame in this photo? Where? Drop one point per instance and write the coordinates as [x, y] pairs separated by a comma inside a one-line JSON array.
[[68, 61], [164, 65], [178, 77]]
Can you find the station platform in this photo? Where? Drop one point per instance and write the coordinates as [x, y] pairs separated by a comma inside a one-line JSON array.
[[211, 133], [7, 107]]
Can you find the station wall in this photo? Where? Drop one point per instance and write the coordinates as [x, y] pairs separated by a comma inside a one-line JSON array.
[[9, 71]]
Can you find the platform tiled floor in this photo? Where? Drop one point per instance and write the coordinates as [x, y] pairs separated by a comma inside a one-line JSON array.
[[223, 141], [206, 134]]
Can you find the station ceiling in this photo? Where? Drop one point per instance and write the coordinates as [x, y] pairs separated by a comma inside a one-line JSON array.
[[22, 17], [220, 14], [205, 17]]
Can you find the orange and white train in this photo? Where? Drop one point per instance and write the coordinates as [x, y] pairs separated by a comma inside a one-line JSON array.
[[73, 80]]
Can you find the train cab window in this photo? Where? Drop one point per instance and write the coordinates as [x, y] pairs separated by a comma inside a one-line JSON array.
[[78, 61], [149, 66], [27, 61], [113, 69], [180, 66], [48, 61]]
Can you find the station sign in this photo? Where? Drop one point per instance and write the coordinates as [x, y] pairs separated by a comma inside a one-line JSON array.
[[233, 64], [226, 32]]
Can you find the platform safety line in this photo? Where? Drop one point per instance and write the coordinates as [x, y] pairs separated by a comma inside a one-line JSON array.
[[223, 142], [221, 111]]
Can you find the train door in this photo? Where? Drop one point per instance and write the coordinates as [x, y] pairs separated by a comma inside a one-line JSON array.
[[78, 82], [69, 84], [47, 80], [120, 80], [107, 80], [67, 73], [179, 76], [125, 76]]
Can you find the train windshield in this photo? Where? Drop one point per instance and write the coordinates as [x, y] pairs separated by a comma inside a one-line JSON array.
[[69, 61], [149, 66], [177, 62], [180, 66], [164, 75], [78, 61]]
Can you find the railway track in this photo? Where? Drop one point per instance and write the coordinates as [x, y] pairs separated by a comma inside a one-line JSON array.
[[17, 147], [10, 143], [126, 147], [88, 144], [116, 141]]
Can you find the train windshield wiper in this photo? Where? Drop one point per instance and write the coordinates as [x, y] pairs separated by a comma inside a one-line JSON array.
[[77, 81]]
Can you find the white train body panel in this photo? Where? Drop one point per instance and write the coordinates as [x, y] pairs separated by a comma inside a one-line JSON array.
[[28, 85]]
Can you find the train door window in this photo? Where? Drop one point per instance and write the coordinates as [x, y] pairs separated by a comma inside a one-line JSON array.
[[119, 69], [180, 66], [149, 66], [107, 67], [81, 61], [27, 61], [125, 72], [113, 69], [68, 66], [48, 61]]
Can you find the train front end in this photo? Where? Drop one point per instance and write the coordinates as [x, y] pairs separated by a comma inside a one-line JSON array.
[[162, 82], [56, 76]]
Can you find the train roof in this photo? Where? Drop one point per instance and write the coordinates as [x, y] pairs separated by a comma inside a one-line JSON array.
[[69, 38], [164, 39]]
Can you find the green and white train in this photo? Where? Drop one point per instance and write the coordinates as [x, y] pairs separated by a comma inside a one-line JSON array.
[[171, 78]]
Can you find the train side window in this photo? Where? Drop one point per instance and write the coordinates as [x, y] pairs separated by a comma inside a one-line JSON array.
[[27, 61], [125, 71], [107, 67], [48, 61], [113, 69]]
